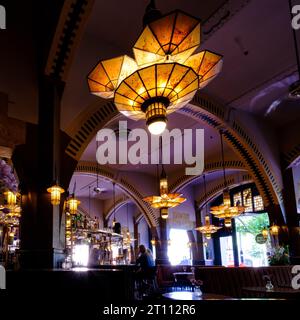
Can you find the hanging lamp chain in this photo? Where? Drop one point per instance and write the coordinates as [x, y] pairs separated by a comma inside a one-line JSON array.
[[223, 162], [114, 195], [151, 13], [205, 194]]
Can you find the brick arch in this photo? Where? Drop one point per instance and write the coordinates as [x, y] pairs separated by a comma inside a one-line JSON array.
[[129, 189], [84, 128], [201, 109], [184, 180], [215, 188], [291, 158], [256, 164], [119, 203]]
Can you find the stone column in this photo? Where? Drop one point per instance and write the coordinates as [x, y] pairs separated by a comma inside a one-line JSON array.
[[136, 236], [198, 254], [38, 165], [162, 244]]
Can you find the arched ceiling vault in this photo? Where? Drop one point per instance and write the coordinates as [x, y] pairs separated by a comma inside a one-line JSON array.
[[201, 108]]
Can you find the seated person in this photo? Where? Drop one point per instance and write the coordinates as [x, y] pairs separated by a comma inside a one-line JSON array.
[[145, 262]]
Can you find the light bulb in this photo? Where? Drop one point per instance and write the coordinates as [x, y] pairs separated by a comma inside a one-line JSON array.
[[227, 222], [157, 127]]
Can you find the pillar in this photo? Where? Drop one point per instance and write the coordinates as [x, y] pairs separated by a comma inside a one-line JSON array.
[[136, 236], [292, 217], [198, 254], [38, 164], [162, 244]]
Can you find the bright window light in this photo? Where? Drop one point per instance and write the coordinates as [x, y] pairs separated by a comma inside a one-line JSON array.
[[179, 251], [81, 255]]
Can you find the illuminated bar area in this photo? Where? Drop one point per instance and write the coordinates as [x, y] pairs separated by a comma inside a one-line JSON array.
[[151, 153]]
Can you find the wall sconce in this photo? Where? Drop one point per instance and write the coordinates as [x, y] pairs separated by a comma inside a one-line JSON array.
[[73, 204], [11, 198], [274, 230], [55, 191], [265, 233]]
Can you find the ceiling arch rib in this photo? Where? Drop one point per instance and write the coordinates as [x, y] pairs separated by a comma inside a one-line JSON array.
[[201, 108], [216, 187], [127, 187], [184, 180]]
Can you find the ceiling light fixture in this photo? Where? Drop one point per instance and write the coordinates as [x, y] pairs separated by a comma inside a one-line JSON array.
[[165, 74], [207, 229], [165, 200], [225, 210]]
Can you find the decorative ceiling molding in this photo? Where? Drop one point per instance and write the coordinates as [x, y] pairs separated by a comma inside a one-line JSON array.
[[119, 203], [185, 180], [86, 126], [202, 109], [291, 158], [215, 188], [70, 28], [257, 165], [113, 176]]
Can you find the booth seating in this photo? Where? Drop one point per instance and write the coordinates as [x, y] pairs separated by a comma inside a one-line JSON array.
[[229, 281]]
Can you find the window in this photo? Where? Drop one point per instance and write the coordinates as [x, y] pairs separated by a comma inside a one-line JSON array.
[[237, 199], [251, 253], [247, 200], [179, 251], [258, 203]]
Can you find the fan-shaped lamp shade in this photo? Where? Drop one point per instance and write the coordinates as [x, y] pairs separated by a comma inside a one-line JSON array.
[[208, 229], [165, 74], [226, 211], [174, 37]]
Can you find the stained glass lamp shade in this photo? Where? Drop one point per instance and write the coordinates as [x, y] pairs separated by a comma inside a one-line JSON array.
[[173, 37], [164, 75], [165, 200], [225, 210], [208, 229]]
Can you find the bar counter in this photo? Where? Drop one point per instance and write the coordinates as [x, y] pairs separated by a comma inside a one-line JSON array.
[[111, 282]]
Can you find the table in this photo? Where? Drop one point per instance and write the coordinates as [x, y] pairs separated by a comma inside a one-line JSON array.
[[188, 295], [286, 293]]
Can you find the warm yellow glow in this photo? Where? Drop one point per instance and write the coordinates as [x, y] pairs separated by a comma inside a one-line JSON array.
[[108, 74], [15, 211], [164, 213], [175, 36], [163, 186], [11, 198], [165, 66], [55, 191], [227, 222], [180, 83], [208, 228], [226, 198], [73, 204], [157, 127], [153, 242], [207, 65], [225, 210], [274, 230], [265, 233], [170, 200]]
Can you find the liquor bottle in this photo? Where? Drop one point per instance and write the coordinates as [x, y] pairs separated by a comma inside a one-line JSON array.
[[78, 220], [96, 223]]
